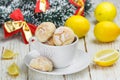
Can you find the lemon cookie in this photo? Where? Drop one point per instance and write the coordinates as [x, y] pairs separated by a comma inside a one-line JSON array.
[[50, 42], [42, 63], [44, 31], [63, 36]]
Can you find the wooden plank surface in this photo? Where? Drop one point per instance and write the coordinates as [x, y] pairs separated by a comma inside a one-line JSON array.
[[93, 46], [15, 44], [88, 44]]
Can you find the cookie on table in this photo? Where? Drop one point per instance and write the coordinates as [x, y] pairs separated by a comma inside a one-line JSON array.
[[41, 63], [44, 31], [63, 36]]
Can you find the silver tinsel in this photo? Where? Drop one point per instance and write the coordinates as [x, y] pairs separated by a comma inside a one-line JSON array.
[[59, 11]]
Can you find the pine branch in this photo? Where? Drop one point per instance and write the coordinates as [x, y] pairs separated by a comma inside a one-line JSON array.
[[59, 11]]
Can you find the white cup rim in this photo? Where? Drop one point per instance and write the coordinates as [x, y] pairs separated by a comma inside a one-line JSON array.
[[34, 38]]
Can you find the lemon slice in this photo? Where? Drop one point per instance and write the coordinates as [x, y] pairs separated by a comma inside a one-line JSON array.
[[13, 70], [8, 54], [106, 57]]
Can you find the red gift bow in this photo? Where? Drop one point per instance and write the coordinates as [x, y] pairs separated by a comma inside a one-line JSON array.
[[18, 16], [80, 10], [38, 6]]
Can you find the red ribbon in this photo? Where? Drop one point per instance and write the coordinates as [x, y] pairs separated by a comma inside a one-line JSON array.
[[39, 6], [17, 15], [80, 10]]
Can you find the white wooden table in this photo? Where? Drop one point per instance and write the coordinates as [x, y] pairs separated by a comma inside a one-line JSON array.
[[88, 44]]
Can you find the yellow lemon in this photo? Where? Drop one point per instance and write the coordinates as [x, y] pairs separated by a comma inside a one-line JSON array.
[[8, 54], [105, 11], [13, 70], [106, 57], [106, 31], [79, 24]]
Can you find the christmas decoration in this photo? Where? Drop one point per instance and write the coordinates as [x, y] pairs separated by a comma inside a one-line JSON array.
[[58, 11], [19, 25], [80, 4], [41, 6]]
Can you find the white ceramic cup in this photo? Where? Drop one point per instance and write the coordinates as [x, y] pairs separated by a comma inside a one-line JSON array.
[[61, 56]]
